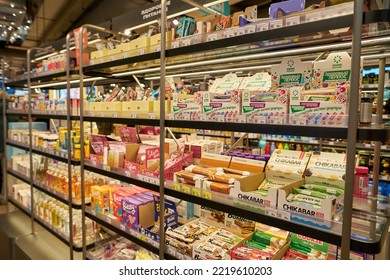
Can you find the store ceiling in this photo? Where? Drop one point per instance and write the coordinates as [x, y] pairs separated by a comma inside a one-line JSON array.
[[44, 21]]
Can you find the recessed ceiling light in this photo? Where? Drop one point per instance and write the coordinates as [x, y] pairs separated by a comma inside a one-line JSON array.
[[12, 5], [4, 17], [12, 23], [20, 12], [127, 32], [29, 21], [14, 14]]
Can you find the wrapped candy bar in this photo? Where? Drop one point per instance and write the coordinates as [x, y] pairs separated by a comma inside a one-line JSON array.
[[312, 193], [217, 187]]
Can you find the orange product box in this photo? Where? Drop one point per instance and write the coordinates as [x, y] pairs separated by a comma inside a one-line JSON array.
[[117, 197]]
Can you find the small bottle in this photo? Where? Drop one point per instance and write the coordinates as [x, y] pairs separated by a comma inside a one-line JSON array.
[[286, 146], [267, 148], [360, 187], [365, 109], [272, 149], [298, 147], [280, 146]]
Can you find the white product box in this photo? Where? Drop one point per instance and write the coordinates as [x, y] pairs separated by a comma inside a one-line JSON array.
[[188, 110]]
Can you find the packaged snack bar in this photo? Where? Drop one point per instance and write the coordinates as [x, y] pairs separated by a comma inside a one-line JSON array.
[[312, 193], [324, 189], [218, 187]]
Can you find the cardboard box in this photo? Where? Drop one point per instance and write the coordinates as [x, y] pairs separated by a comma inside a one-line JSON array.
[[137, 212], [155, 42], [291, 72], [156, 106], [99, 54], [117, 197], [139, 108], [212, 217], [187, 107], [111, 106], [100, 199], [239, 225]]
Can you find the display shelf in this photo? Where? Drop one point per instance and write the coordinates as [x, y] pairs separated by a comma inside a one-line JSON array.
[[18, 205], [359, 146], [45, 76], [381, 178], [53, 115], [293, 141], [279, 218], [76, 204], [18, 175], [374, 133], [128, 121], [17, 144], [113, 224], [19, 113], [127, 176], [57, 155]]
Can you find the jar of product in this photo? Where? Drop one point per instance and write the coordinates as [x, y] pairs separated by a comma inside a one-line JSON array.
[[365, 109], [52, 141], [361, 181], [77, 153]]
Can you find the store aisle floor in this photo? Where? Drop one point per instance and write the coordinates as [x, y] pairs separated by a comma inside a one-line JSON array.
[[3, 208]]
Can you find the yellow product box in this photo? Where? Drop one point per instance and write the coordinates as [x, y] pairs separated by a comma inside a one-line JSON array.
[[136, 44], [155, 42], [137, 108], [111, 189], [95, 106], [156, 106], [215, 160], [100, 199], [99, 54], [111, 106]]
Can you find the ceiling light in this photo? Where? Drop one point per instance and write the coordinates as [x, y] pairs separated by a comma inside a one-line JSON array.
[[4, 17], [175, 22], [27, 27], [21, 12], [29, 21], [14, 14], [12, 5], [127, 32], [12, 23]]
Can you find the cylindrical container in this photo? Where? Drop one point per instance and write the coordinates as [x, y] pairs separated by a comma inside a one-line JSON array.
[[365, 109], [361, 181]]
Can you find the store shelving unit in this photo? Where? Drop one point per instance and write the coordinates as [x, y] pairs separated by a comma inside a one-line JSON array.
[[257, 55]]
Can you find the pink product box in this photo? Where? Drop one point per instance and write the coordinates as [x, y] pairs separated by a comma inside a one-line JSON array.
[[117, 197]]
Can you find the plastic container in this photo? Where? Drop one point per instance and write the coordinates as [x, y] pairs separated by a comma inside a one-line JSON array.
[[361, 181]]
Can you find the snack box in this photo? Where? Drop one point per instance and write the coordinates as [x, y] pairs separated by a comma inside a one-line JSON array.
[[187, 107], [239, 225], [100, 199], [117, 197], [136, 108], [136, 212]]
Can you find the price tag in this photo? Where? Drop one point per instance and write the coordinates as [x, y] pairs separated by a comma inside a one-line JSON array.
[[272, 212], [202, 117], [157, 49], [115, 115], [228, 34], [331, 143], [186, 42], [108, 220], [276, 120], [122, 227], [186, 189], [171, 251], [207, 195], [219, 118], [102, 115], [143, 238], [133, 116], [242, 31], [92, 62], [383, 147], [127, 173], [186, 117], [171, 117], [241, 119], [367, 145], [176, 187], [108, 168], [93, 212], [92, 114], [212, 37], [285, 215], [155, 181], [135, 234], [260, 119], [264, 26], [112, 58], [293, 20], [141, 52], [152, 116], [276, 23], [196, 192], [125, 55], [312, 17], [175, 45], [101, 60], [250, 29]]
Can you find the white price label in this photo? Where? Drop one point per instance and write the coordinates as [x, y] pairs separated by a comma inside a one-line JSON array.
[[101, 60], [186, 42], [136, 234], [141, 52], [228, 34], [202, 117], [241, 119], [276, 120], [175, 45], [157, 49], [108, 220], [276, 23], [127, 173], [155, 181], [330, 143], [367, 145], [102, 115], [264, 26], [260, 119], [152, 116], [171, 117], [112, 58], [219, 118], [93, 212], [92, 62], [122, 227], [285, 215], [312, 17], [293, 20], [383, 147], [115, 115], [125, 55], [272, 212], [212, 37], [186, 117], [250, 29], [133, 116]]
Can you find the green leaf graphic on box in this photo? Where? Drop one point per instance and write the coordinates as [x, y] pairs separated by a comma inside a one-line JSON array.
[[290, 79], [176, 108], [247, 109], [297, 108], [336, 76], [207, 109]]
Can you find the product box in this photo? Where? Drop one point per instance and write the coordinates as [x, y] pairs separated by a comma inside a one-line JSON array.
[[185, 210], [239, 225], [100, 199], [111, 189], [111, 106], [17, 187], [156, 107], [136, 108], [286, 7], [155, 42], [117, 197], [187, 107], [301, 241], [212, 217], [260, 104], [170, 218], [136, 212], [291, 72], [223, 101], [135, 47]]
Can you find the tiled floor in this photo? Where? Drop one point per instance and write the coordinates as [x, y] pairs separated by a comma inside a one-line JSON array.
[[3, 208]]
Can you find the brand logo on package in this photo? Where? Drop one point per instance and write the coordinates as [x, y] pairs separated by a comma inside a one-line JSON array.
[[336, 76], [312, 240], [253, 199], [299, 210], [290, 79], [129, 208]]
